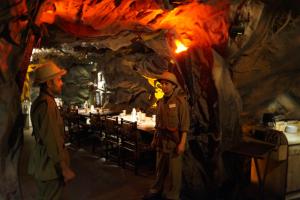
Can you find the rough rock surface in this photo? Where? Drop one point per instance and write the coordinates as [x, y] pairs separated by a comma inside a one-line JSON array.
[[127, 40]]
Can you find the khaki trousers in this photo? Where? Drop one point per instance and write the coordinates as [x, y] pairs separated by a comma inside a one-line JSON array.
[[168, 174], [50, 190]]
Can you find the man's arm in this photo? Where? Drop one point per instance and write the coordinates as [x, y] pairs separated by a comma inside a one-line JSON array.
[[181, 145], [52, 139], [184, 124]]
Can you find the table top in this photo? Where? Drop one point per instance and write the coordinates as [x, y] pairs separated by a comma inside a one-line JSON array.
[[86, 112], [252, 149], [147, 124]]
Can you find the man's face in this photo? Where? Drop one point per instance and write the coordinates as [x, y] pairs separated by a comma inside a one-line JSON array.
[[55, 85], [167, 87]]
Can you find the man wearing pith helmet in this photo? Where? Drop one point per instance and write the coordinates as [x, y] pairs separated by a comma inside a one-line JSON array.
[[49, 161], [172, 125]]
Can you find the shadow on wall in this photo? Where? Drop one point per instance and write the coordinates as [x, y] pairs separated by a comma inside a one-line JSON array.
[[285, 106]]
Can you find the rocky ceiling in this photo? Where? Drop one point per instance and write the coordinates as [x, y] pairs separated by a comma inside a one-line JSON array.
[[140, 36], [241, 54], [255, 42], [241, 59], [262, 56]]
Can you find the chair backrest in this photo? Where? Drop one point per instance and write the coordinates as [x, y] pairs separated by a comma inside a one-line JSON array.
[[75, 120], [111, 125], [96, 121], [72, 118], [128, 129]]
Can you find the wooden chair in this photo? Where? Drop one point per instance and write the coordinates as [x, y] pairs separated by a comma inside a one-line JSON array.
[[71, 127], [132, 146], [64, 114], [112, 138], [96, 128], [77, 128]]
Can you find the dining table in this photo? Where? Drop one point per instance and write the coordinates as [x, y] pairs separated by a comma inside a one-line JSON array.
[[146, 124], [102, 111]]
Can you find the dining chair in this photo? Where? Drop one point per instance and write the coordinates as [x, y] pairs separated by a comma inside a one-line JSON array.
[[97, 128], [112, 138], [132, 146], [78, 130]]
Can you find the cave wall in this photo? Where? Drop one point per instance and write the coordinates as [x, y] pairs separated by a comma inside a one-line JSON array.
[[255, 66], [124, 70], [265, 68], [13, 59], [76, 84]]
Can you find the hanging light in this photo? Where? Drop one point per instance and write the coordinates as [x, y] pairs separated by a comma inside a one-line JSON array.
[[180, 47]]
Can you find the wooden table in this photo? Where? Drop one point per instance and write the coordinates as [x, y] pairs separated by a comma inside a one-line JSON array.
[[86, 112], [146, 125]]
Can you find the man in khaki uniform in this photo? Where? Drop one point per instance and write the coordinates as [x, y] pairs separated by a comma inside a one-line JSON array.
[[172, 124], [49, 161]]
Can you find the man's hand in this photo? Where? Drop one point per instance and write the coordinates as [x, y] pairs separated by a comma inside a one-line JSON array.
[[153, 143], [181, 145], [181, 148], [68, 174]]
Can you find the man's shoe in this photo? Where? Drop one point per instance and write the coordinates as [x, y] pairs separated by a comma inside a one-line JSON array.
[[152, 196]]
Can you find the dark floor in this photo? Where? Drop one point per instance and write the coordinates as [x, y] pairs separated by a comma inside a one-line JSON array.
[[98, 179], [95, 178]]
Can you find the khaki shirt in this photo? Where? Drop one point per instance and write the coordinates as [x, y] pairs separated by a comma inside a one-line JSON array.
[[48, 129], [173, 115]]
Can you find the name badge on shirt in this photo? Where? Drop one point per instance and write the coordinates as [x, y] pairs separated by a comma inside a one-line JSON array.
[[173, 105]]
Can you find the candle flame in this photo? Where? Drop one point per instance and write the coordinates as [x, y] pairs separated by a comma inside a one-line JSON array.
[[180, 47]]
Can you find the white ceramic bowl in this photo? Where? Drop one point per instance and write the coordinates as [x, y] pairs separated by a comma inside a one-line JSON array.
[[291, 129]]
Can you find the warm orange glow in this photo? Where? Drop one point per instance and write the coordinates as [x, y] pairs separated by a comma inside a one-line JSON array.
[[50, 11], [197, 24], [180, 47], [46, 13], [194, 23]]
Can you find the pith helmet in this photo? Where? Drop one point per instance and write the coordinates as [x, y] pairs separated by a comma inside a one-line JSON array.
[[168, 76], [47, 71]]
